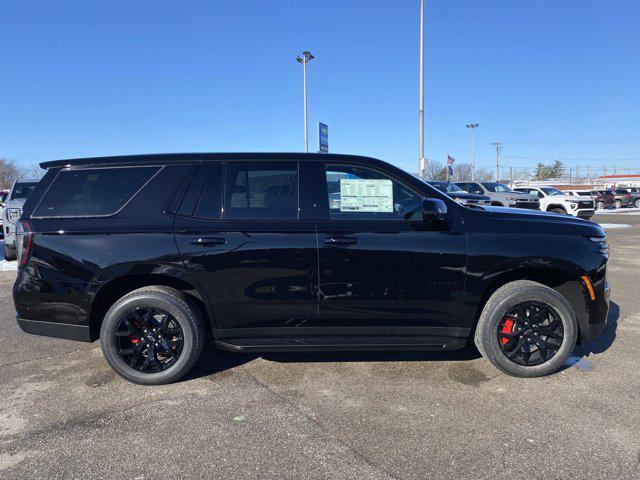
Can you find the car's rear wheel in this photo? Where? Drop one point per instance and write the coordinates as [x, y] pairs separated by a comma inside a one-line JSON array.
[[152, 336], [527, 329], [637, 203], [618, 203], [600, 205]]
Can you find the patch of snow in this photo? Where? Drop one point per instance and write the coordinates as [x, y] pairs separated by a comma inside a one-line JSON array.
[[608, 226], [4, 265], [619, 211]]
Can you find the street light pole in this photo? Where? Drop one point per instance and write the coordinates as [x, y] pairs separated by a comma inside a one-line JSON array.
[[306, 58], [421, 159], [473, 127]]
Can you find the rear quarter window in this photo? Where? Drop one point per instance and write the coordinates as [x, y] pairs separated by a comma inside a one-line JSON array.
[[92, 192]]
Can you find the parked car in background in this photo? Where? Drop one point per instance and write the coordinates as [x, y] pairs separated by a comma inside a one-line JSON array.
[[602, 200], [3, 199], [18, 194], [460, 195], [501, 195], [624, 198], [154, 254], [635, 195], [555, 201]]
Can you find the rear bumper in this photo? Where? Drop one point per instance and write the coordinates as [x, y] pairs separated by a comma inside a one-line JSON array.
[[52, 329]]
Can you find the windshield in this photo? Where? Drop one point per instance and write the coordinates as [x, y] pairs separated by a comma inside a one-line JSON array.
[[22, 190], [551, 191], [447, 187], [496, 187]]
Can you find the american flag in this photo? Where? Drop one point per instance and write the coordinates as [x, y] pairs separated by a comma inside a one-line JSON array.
[[450, 160]]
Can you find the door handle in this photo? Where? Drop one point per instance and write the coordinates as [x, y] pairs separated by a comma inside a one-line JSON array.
[[208, 241], [340, 241]]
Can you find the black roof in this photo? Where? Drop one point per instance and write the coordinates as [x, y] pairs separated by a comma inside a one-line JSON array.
[[167, 158]]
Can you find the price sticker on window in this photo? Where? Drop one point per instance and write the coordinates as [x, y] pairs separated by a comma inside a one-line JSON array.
[[359, 195]]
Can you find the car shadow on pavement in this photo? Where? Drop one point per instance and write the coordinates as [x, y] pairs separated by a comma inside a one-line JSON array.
[[214, 361]]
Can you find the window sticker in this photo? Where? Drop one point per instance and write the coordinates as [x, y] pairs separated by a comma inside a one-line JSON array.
[[366, 195]]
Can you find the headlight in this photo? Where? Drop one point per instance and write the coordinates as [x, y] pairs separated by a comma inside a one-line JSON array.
[[13, 214]]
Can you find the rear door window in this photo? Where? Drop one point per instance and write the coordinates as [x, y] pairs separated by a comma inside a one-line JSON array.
[[92, 192], [260, 190]]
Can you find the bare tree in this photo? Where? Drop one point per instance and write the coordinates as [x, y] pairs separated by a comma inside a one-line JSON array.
[[9, 173], [33, 171], [435, 171]]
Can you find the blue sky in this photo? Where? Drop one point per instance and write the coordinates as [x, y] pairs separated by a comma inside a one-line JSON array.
[[551, 79]]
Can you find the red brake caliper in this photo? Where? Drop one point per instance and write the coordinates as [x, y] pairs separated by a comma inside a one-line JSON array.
[[134, 340], [507, 327]]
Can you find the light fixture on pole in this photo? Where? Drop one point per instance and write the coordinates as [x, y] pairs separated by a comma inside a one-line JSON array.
[[306, 58], [421, 160], [473, 127]]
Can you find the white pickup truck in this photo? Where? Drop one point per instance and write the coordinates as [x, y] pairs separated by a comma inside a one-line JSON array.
[[554, 200]]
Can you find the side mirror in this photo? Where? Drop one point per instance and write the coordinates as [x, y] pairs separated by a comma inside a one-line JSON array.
[[434, 211]]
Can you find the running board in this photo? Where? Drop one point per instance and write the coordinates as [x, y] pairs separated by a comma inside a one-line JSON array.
[[305, 344]]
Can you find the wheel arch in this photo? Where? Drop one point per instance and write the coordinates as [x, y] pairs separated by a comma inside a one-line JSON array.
[[556, 205], [564, 281], [109, 291]]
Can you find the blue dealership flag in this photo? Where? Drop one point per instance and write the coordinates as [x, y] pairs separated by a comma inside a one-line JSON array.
[[323, 138]]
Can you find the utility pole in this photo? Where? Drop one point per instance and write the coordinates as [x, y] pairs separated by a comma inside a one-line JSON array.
[[498, 146], [421, 159], [473, 127], [306, 58]]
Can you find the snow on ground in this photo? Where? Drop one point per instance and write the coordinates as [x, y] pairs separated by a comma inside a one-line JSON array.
[[608, 226], [4, 265], [619, 211]]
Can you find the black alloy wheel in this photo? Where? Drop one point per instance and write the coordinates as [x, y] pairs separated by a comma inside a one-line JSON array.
[[149, 339], [531, 333]]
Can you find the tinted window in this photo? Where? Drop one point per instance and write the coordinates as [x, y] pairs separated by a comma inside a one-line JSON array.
[[472, 188], [97, 191], [22, 190], [496, 187], [210, 203], [361, 193], [530, 191], [447, 187], [261, 190]]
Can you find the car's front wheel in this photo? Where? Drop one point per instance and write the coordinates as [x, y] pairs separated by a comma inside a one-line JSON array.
[[527, 329], [618, 203], [152, 335], [637, 203]]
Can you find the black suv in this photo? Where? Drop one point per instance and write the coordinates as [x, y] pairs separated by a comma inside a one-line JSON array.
[[296, 252]]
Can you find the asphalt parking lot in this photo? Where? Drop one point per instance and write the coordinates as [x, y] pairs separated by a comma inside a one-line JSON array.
[[64, 414]]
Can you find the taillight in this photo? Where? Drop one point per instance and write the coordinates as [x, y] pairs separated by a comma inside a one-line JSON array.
[[24, 242]]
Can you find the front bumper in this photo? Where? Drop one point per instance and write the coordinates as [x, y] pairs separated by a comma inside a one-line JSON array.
[[585, 213], [9, 230], [599, 310]]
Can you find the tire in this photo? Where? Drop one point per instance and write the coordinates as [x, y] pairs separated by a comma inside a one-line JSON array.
[[618, 203], [637, 203], [503, 301], [600, 205], [559, 210], [9, 253], [184, 316]]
